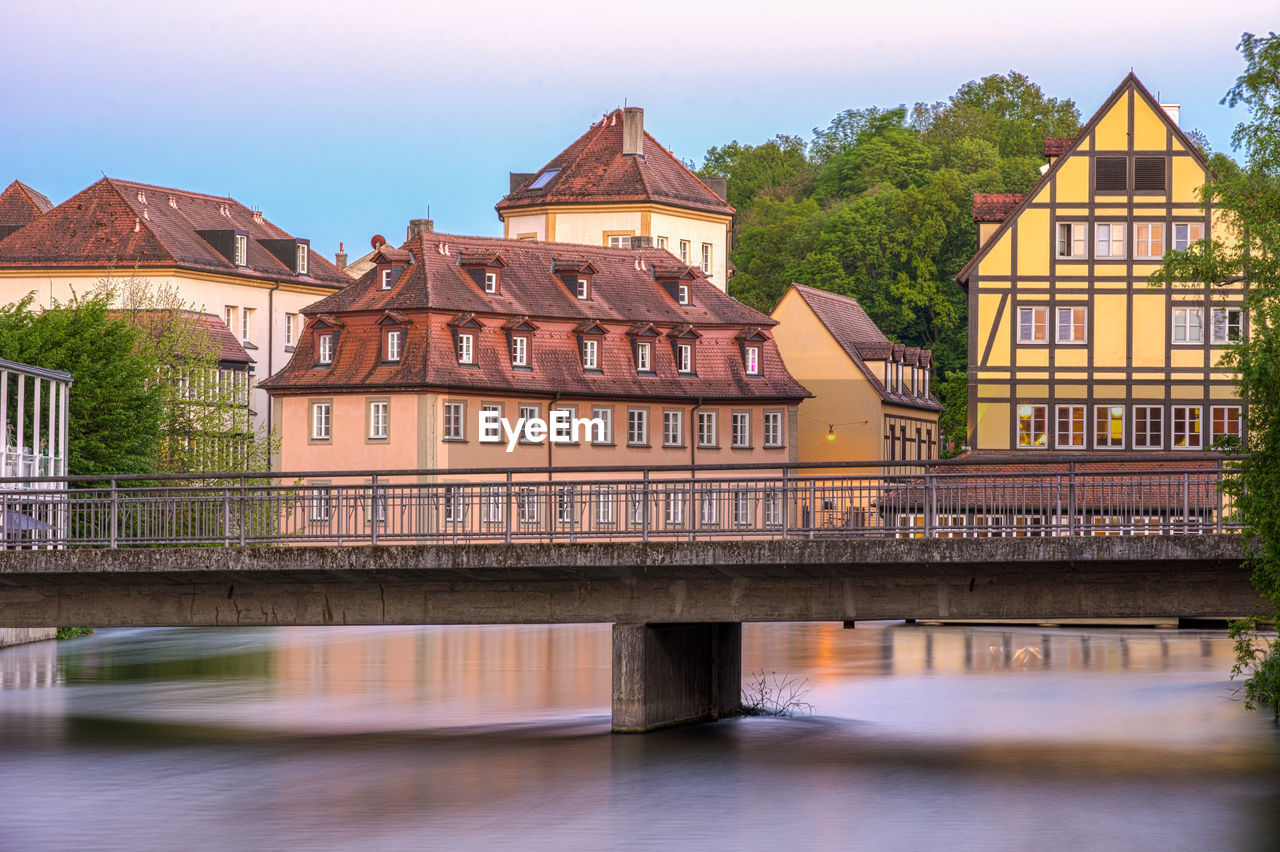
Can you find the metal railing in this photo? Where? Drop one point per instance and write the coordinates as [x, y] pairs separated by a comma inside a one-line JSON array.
[[935, 499]]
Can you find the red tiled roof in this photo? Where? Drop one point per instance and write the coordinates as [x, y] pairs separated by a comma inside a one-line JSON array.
[[594, 170], [434, 291], [995, 207], [21, 205], [1056, 146], [862, 340], [126, 224], [229, 349]]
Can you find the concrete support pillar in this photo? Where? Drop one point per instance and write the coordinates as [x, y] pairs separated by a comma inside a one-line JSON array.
[[675, 674]]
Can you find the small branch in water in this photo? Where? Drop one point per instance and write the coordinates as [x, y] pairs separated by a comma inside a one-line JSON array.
[[772, 695]]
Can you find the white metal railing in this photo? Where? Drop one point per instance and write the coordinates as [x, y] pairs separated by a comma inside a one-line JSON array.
[[908, 500]]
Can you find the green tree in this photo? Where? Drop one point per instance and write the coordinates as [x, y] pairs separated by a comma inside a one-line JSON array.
[[1245, 247], [114, 403], [776, 169]]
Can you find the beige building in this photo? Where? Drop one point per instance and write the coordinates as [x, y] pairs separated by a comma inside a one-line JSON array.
[[871, 397], [220, 256], [618, 186]]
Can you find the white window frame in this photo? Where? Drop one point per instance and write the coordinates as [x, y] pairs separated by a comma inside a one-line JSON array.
[[752, 360], [740, 429], [773, 426], [606, 415], [1214, 434], [674, 506], [709, 505], [1143, 442], [453, 425], [606, 504], [301, 258], [771, 505], [1084, 427], [1077, 236], [455, 506], [564, 500], [466, 348], [527, 505], [1111, 410], [1186, 241], [637, 427], [386, 278], [1227, 314], [379, 419], [590, 354], [706, 258], [290, 323], [491, 504], [741, 508], [1189, 424], [393, 345], [707, 431], [491, 434], [1137, 241], [683, 294], [242, 250], [1030, 409], [1186, 326], [684, 357], [584, 288], [320, 499], [684, 251], [1071, 311], [321, 421], [490, 282], [644, 357], [1042, 325], [660, 242], [246, 324], [672, 427], [1105, 249], [519, 350]]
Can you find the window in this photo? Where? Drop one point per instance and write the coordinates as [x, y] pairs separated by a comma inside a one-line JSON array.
[[454, 504], [1148, 174], [491, 504], [706, 429], [320, 504], [564, 504], [1031, 425], [773, 428], [753, 360], [660, 242], [453, 421], [321, 420], [606, 499], [683, 294], [603, 435], [618, 241], [1111, 174], [490, 431], [584, 288], [1072, 239], [563, 432], [1224, 422], [519, 351], [644, 363], [393, 345], [1071, 325], [590, 355], [740, 431], [466, 350], [527, 413], [1186, 427], [491, 282], [673, 428], [684, 357], [1227, 324], [527, 505], [229, 317], [1187, 234], [1070, 434], [379, 419], [1148, 239], [772, 508], [706, 258], [544, 178], [386, 278], [709, 506], [1188, 325], [303, 257], [638, 427], [1148, 427], [1108, 240], [290, 328], [675, 506], [1108, 426], [684, 251], [242, 250], [637, 504], [246, 324], [1033, 325]]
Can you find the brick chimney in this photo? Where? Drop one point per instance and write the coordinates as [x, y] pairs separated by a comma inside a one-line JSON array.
[[519, 179], [340, 259], [633, 131], [720, 186], [420, 226]]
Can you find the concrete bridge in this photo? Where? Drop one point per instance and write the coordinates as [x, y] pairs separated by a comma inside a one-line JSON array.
[[676, 607]]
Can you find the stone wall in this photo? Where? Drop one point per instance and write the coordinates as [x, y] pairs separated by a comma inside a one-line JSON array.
[[19, 635]]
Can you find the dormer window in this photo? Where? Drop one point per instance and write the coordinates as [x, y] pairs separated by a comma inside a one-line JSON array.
[[385, 276], [242, 250], [393, 344], [590, 354], [519, 350], [684, 357], [303, 256], [466, 348], [684, 294], [752, 358], [491, 282], [888, 375], [324, 348], [584, 288], [644, 357]]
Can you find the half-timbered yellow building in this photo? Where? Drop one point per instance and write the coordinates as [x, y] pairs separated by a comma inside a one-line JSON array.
[[1070, 349]]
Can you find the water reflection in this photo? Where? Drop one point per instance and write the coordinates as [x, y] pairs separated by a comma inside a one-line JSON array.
[[475, 737]]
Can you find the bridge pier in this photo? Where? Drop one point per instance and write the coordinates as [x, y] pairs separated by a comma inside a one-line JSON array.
[[675, 674]]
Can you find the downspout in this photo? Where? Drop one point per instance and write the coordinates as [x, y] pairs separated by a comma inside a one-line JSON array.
[[271, 347], [550, 443], [693, 435]]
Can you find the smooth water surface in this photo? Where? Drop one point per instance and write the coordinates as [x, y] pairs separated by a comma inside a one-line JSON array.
[[498, 737]]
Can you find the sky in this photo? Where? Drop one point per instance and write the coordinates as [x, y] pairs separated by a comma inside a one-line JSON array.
[[341, 121]]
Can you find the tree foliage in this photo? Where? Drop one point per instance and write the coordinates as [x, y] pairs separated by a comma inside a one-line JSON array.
[[1245, 247], [877, 206]]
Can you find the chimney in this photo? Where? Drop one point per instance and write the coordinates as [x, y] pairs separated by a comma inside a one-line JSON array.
[[340, 259], [420, 226], [519, 179], [633, 131], [1174, 111], [642, 242], [720, 186]]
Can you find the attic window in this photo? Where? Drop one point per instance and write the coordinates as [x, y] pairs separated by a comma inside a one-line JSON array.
[[684, 294], [491, 282], [242, 250], [751, 355], [386, 278], [544, 179], [324, 349], [303, 257], [584, 288]]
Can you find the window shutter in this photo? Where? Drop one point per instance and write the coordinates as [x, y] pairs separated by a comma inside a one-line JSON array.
[[1111, 174], [1148, 173]]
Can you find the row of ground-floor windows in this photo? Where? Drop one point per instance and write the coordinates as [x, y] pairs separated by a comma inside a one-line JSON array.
[[1034, 525], [1138, 427]]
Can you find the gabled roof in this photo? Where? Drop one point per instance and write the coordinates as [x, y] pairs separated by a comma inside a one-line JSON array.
[[21, 205], [594, 170], [861, 339], [622, 287], [123, 224], [1130, 81], [229, 350]]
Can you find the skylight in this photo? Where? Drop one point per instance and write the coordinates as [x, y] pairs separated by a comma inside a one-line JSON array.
[[544, 178]]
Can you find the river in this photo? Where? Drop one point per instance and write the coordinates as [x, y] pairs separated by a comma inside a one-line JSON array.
[[482, 738]]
